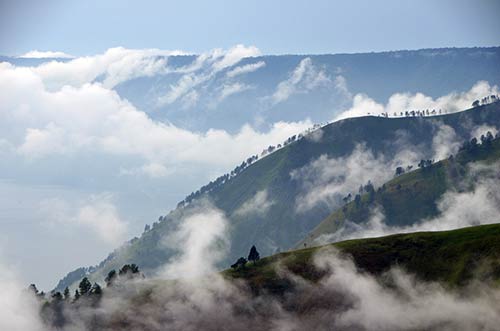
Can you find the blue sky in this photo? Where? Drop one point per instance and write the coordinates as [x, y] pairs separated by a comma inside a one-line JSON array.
[[276, 27]]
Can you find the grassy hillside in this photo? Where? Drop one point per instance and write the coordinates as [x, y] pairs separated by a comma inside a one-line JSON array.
[[410, 197], [450, 257], [282, 227]]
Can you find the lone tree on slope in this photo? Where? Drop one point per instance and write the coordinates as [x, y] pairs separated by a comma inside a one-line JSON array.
[[253, 255]]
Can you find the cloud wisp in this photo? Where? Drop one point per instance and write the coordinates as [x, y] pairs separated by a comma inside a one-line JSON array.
[[258, 205], [245, 69], [327, 180], [35, 54], [204, 68], [201, 241], [304, 78], [457, 209]]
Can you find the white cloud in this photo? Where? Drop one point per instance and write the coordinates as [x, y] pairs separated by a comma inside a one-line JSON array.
[[328, 180], [245, 69], [115, 66], [445, 142], [152, 170], [183, 87], [155, 170], [230, 89], [407, 304], [205, 67], [39, 142], [304, 78], [341, 86], [201, 241], [315, 136], [45, 55], [19, 309], [259, 205], [235, 55], [401, 102], [362, 105], [97, 214], [94, 119]]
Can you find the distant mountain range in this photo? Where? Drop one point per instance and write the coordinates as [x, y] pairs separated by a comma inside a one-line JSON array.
[[276, 201]]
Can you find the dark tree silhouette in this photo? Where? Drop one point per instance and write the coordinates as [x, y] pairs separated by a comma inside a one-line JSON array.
[[239, 263], [57, 296], [357, 199], [67, 295], [129, 270], [110, 278], [96, 289], [77, 295], [487, 139], [347, 198], [473, 142], [425, 164], [33, 289], [369, 187], [370, 190], [361, 189], [400, 171], [253, 255], [84, 286]]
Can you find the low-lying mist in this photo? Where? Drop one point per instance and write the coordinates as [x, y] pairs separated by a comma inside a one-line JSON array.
[[188, 294]]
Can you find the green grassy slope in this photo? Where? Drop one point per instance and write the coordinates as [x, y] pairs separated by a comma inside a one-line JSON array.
[[449, 257], [410, 197], [282, 227]]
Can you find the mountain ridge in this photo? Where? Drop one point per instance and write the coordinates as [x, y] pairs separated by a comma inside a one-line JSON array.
[[272, 174]]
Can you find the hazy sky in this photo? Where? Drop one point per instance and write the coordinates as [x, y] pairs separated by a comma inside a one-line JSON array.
[[292, 26]]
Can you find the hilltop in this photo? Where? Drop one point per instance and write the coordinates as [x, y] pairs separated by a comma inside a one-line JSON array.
[[450, 257]]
